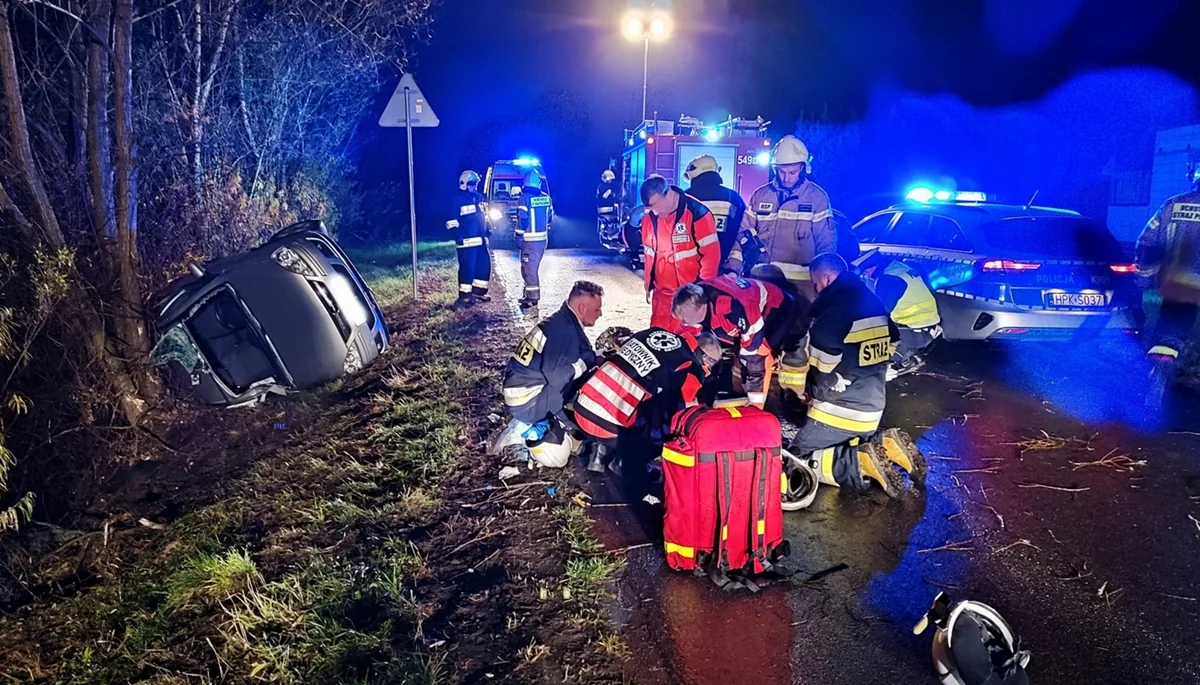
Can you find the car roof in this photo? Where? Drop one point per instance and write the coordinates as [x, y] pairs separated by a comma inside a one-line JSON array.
[[980, 211]]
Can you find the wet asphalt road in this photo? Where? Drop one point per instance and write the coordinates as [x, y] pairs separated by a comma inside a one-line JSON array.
[[1101, 577]]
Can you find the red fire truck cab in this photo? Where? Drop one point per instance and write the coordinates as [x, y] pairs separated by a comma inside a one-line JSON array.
[[740, 146]]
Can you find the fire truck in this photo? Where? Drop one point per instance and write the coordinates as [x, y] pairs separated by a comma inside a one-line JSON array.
[[740, 146]]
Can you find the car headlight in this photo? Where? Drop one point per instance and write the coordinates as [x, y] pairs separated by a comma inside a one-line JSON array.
[[353, 362], [495, 214], [347, 300], [292, 261]]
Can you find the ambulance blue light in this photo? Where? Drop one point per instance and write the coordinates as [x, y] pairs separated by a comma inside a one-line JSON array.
[[527, 161], [763, 158], [919, 194]]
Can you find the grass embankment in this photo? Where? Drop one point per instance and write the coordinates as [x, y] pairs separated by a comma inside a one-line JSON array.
[[375, 545]]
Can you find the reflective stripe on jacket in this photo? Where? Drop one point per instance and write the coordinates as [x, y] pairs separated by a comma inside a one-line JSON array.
[[534, 215], [1168, 249], [737, 314], [467, 218], [905, 294], [652, 362], [551, 356]]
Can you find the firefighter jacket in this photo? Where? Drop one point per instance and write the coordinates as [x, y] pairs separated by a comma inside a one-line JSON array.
[[904, 294], [649, 364], [1168, 250], [850, 345], [794, 227], [680, 248], [534, 215], [727, 207], [607, 199], [467, 219], [737, 314], [549, 359]]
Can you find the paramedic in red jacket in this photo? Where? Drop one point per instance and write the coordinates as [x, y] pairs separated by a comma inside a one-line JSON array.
[[680, 242], [653, 366], [752, 316]]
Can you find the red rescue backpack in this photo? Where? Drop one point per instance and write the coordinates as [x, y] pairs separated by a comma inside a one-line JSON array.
[[723, 487]]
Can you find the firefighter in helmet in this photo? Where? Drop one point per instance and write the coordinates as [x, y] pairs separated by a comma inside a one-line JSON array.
[[1168, 258], [727, 207], [790, 219], [469, 227], [533, 230]]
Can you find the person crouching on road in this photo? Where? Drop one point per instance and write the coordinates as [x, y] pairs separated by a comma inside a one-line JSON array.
[[534, 215], [751, 316], [544, 371], [651, 376], [679, 241], [470, 231], [911, 305], [850, 345]]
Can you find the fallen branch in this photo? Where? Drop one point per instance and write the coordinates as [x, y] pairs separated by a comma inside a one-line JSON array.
[[1197, 522], [1119, 462], [1052, 487], [963, 546], [943, 586], [1186, 599], [1018, 543], [989, 469], [943, 458]]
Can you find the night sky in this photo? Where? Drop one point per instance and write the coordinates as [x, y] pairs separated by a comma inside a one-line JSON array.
[[1017, 95]]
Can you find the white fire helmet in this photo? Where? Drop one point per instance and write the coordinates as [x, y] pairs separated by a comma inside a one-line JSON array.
[[789, 150], [801, 483], [608, 176], [554, 450], [973, 644], [701, 165], [466, 178]]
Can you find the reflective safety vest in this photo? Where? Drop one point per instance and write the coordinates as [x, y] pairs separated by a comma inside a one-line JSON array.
[[917, 308], [534, 215]]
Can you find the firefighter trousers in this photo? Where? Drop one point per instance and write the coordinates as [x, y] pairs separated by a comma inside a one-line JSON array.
[[474, 267], [832, 452], [660, 310], [912, 342], [1175, 323], [532, 252]]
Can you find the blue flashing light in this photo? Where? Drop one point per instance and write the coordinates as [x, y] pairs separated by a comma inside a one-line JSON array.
[[763, 158], [970, 196], [712, 135], [919, 194], [942, 195], [527, 161]]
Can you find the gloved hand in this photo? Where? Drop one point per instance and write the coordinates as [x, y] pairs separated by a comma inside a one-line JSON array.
[[842, 384]]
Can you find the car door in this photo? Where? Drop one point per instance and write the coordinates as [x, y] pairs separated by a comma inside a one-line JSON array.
[[871, 230], [907, 238], [948, 260]]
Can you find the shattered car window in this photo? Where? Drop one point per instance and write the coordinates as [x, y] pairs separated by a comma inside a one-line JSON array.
[[176, 346]]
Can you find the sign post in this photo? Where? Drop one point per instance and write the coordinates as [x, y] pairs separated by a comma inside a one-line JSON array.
[[416, 113]]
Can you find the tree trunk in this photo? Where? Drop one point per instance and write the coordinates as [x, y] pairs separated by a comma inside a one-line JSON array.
[[27, 172], [99, 151], [129, 317]]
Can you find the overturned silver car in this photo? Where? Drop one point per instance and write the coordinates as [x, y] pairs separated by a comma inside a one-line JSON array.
[[292, 313]]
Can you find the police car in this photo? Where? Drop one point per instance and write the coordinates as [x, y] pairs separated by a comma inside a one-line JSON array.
[[1009, 271]]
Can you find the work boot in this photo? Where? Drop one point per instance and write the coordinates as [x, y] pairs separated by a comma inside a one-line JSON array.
[[615, 466], [899, 448], [483, 298], [596, 463], [874, 466], [463, 302]]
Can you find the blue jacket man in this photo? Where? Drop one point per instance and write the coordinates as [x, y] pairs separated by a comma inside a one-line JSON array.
[[469, 227], [533, 229]]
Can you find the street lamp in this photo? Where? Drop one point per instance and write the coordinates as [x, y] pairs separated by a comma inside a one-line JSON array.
[[646, 26]]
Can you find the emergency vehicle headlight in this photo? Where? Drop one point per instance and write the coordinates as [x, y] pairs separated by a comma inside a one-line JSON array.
[[919, 194], [495, 214], [763, 158], [347, 301]]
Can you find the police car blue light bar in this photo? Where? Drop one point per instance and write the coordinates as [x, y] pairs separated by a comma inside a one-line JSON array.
[[923, 195]]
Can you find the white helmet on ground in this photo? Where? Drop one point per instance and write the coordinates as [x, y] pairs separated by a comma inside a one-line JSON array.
[[973, 644], [466, 178], [701, 165], [789, 150], [801, 483], [608, 176], [554, 450]]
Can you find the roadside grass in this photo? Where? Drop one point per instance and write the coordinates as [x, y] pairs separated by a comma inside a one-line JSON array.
[[363, 550]]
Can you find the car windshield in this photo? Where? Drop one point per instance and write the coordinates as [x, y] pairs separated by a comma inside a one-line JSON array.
[[1065, 238]]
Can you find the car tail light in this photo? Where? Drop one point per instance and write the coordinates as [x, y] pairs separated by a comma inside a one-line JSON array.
[[1123, 268], [1004, 265]]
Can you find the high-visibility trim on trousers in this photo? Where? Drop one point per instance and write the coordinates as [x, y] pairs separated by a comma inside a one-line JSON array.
[[516, 397], [470, 242], [844, 418]]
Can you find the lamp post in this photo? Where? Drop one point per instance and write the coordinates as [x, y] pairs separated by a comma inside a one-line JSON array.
[[646, 26]]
